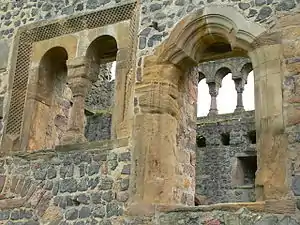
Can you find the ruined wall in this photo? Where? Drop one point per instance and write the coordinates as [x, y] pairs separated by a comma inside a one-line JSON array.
[[221, 140], [68, 186], [166, 14]]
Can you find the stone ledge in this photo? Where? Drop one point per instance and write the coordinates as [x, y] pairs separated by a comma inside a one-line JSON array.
[[88, 146], [252, 206], [226, 117], [286, 207]]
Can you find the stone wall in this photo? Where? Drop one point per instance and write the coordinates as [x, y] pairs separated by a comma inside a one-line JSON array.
[[158, 18], [240, 217], [100, 96], [100, 101], [221, 140], [85, 184], [98, 127]]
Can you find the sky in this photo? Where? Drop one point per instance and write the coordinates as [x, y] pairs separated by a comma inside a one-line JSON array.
[[226, 100]]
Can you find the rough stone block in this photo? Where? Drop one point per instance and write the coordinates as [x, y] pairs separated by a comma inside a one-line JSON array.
[[2, 182], [296, 185], [4, 46]]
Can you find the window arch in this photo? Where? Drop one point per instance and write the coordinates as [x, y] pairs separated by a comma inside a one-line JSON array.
[[227, 95], [101, 55], [203, 102], [51, 101], [248, 95]]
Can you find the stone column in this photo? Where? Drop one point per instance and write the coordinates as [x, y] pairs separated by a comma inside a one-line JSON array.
[[79, 80], [162, 172], [239, 87], [213, 91]]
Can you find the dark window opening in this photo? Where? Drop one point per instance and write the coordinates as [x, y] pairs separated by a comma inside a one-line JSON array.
[[219, 47], [252, 136], [225, 138], [248, 166], [201, 141]]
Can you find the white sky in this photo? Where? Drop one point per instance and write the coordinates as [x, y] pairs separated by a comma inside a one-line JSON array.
[[226, 100], [113, 70]]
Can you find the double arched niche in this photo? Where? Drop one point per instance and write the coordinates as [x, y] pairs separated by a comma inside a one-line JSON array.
[[50, 99], [166, 97]]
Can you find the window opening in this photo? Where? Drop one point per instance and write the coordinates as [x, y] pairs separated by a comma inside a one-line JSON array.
[[225, 138], [252, 136], [201, 141]]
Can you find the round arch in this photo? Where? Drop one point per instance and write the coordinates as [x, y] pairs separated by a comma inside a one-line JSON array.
[[205, 27], [221, 73], [170, 112], [201, 76], [245, 70], [102, 47], [48, 100]]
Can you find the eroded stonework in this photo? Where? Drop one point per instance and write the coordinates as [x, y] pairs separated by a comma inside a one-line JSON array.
[[78, 147]]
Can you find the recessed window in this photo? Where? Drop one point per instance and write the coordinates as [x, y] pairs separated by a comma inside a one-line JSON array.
[[252, 136], [246, 168], [201, 141], [225, 138]]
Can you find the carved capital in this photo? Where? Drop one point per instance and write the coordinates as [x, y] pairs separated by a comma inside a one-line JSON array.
[[239, 85], [79, 85], [213, 89], [81, 67]]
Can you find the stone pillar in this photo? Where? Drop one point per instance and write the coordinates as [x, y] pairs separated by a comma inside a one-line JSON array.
[[162, 171], [79, 80], [239, 87], [272, 181], [213, 91]]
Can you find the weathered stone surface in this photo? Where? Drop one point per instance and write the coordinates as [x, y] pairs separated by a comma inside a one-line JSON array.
[[4, 46], [154, 106]]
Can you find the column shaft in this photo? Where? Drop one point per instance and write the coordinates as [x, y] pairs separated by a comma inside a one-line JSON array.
[[213, 91], [239, 87], [79, 82]]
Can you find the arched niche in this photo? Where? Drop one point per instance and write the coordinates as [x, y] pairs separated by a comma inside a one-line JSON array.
[[101, 56], [49, 100]]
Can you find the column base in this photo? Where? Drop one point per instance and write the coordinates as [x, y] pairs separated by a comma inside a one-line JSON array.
[[213, 113], [239, 110], [73, 137]]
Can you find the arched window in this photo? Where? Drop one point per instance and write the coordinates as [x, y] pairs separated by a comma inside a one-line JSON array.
[[203, 102], [101, 55], [248, 96], [51, 101], [227, 95]]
